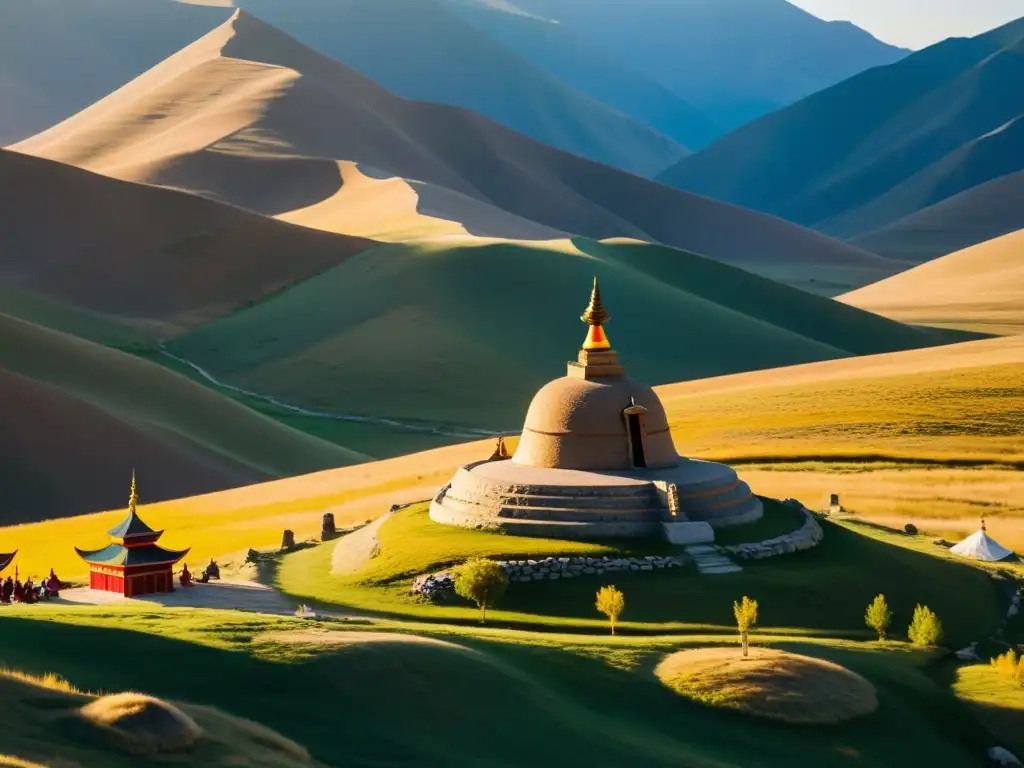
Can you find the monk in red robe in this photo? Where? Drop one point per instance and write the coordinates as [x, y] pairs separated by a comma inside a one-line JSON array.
[[185, 577]]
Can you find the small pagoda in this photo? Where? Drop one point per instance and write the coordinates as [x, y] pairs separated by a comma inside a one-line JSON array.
[[133, 563]]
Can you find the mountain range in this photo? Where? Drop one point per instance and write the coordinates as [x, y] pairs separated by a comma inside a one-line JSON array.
[[862, 156], [250, 116]]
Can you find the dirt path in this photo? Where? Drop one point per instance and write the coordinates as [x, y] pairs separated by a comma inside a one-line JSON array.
[[352, 551], [229, 594]]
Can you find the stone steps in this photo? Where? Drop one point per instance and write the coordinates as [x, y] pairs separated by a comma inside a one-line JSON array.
[[582, 514], [710, 559], [650, 501]]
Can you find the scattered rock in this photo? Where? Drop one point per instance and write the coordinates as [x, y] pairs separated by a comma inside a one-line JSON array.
[[943, 543], [435, 587], [1002, 756], [910, 529], [327, 529]]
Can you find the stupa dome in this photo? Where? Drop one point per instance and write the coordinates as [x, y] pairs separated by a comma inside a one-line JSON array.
[[576, 423], [595, 417]]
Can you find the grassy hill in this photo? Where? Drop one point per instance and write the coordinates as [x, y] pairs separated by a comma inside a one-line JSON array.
[[129, 260], [398, 331], [977, 215], [980, 288], [251, 116], [58, 58], [86, 415], [921, 130], [416, 696]]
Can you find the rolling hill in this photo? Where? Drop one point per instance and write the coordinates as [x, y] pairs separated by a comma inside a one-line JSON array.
[[399, 332], [980, 288], [735, 60], [100, 257], [249, 115], [917, 132], [419, 49], [982, 213], [86, 415], [57, 58]]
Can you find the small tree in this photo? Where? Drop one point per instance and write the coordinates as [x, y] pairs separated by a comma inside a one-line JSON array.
[[746, 617], [611, 602], [483, 581], [925, 628], [878, 616]]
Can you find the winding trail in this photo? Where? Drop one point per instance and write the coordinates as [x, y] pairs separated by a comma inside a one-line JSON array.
[[432, 428]]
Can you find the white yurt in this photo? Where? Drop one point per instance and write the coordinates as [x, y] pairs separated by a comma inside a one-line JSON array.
[[980, 546]]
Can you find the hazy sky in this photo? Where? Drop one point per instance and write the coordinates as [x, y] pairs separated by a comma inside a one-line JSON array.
[[918, 23]]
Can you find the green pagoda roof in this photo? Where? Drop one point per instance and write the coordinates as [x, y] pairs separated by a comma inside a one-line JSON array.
[[131, 526], [116, 554]]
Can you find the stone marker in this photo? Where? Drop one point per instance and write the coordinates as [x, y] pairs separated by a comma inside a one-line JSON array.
[[288, 540], [327, 529]]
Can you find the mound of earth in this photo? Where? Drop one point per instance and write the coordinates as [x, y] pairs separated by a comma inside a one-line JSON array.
[[769, 683], [58, 725]]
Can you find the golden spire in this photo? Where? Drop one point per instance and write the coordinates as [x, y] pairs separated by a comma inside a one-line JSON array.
[[133, 496], [595, 313], [595, 316]]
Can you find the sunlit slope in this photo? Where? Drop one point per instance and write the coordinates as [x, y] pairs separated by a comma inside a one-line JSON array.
[[399, 331], [980, 288], [232, 521], [57, 58], [962, 403], [79, 416], [251, 116], [159, 258]]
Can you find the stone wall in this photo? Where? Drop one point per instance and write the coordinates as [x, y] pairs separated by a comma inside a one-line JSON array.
[[807, 536]]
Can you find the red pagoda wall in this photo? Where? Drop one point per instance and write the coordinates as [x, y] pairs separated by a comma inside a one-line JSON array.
[[151, 583], [107, 582]]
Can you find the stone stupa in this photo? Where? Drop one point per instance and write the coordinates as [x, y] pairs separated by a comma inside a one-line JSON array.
[[596, 460]]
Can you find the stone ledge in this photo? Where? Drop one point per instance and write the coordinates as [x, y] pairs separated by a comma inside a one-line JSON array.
[[807, 536]]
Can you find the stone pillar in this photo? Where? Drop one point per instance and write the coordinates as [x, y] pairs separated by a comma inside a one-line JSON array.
[[288, 540], [327, 529]]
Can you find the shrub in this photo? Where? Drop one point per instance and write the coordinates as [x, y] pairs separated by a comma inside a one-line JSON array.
[[925, 628], [1008, 666], [878, 616], [910, 529], [746, 617], [611, 602], [483, 581]]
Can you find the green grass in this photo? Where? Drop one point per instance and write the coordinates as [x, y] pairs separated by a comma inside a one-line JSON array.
[[398, 331], [156, 406], [481, 697], [778, 520], [823, 591]]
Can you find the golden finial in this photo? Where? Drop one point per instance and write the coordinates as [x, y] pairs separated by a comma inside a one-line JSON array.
[[983, 523], [595, 313], [133, 496]]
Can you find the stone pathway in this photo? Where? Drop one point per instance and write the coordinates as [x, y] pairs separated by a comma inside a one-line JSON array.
[[353, 550], [711, 560]]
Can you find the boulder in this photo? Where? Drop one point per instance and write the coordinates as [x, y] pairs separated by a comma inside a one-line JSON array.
[[910, 529], [288, 539]]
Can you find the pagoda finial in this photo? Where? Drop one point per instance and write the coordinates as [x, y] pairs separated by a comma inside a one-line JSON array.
[[595, 313], [133, 496], [596, 316], [983, 523]]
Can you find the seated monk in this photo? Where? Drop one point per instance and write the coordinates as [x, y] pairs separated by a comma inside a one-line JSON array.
[[185, 577], [29, 594], [205, 578], [56, 580], [7, 590], [213, 570], [19, 591], [51, 586]]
